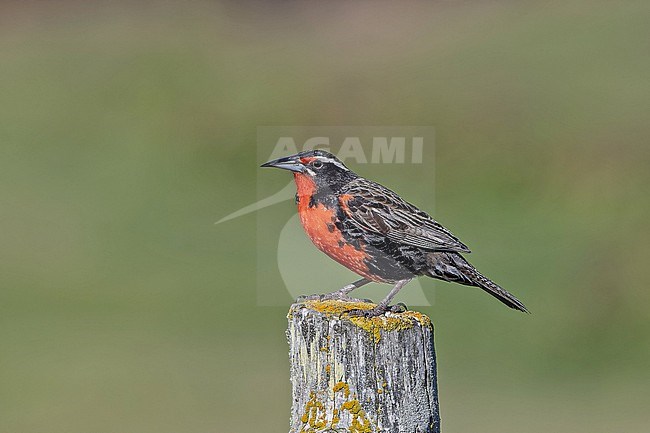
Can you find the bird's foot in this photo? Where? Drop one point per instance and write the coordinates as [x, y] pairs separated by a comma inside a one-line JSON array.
[[379, 310], [333, 296], [400, 307], [304, 298]]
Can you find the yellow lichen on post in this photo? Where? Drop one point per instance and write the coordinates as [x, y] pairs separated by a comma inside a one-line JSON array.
[[344, 387], [360, 422], [373, 325], [314, 415]]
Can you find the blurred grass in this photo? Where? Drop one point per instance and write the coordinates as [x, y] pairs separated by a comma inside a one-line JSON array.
[[127, 129]]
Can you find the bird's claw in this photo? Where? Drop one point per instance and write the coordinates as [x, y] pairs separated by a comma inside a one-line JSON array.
[[334, 296], [398, 308], [374, 312], [303, 298], [379, 310]]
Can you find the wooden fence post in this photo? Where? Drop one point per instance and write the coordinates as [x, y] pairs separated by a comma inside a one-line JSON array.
[[361, 375]]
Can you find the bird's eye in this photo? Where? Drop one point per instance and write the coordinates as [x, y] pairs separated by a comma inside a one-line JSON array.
[[317, 164]]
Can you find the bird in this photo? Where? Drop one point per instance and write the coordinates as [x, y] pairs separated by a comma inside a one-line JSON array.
[[375, 233]]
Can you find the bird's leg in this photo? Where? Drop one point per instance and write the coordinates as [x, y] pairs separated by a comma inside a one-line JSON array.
[[341, 294], [383, 306]]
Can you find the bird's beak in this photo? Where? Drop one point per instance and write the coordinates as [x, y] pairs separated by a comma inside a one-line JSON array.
[[288, 163]]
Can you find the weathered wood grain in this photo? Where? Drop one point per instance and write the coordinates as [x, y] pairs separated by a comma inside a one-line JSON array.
[[360, 375]]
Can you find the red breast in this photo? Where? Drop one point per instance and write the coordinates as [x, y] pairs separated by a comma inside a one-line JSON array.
[[318, 221]]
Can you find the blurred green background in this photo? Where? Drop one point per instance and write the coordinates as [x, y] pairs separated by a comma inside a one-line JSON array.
[[127, 129]]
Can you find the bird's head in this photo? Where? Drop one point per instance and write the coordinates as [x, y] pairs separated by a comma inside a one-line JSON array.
[[319, 167]]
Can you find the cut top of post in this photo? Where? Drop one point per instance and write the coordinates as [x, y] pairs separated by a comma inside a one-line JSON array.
[[374, 325]]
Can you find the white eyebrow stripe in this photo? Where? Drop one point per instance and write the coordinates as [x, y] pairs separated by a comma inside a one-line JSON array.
[[333, 161]]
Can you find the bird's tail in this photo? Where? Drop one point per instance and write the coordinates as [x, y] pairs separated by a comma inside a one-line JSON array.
[[451, 266]]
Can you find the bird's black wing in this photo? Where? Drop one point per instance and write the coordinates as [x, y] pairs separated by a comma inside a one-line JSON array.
[[376, 208]]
